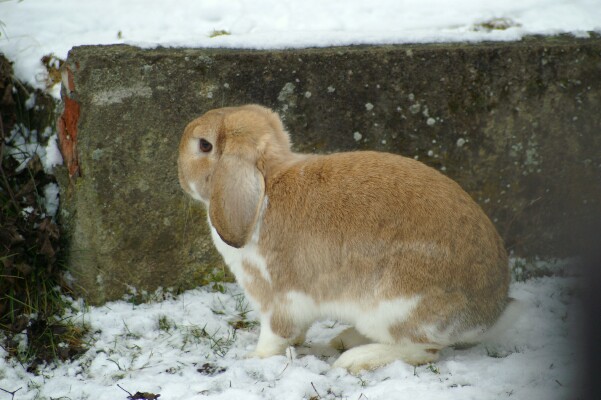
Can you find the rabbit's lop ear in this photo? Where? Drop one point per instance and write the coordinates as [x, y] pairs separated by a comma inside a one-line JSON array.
[[238, 191]]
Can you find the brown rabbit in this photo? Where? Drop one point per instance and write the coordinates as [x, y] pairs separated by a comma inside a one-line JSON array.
[[376, 240]]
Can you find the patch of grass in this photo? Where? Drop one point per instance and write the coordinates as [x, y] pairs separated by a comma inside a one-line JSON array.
[[165, 324], [220, 344], [137, 297], [433, 368], [524, 269], [241, 320], [496, 24], [129, 334], [218, 32], [499, 352], [243, 324], [216, 280], [362, 381], [195, 333], [242, 305]]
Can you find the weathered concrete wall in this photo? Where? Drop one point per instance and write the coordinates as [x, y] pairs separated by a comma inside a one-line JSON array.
[[517, 124]]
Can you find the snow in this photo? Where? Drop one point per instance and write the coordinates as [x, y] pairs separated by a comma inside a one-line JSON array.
[[52, 155], [23, 144], [185, 347], [51, 197], [34, 28], [30, 102]]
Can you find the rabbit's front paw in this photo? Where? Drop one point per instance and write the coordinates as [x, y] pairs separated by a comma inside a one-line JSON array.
[[269, 344], [268, 351]]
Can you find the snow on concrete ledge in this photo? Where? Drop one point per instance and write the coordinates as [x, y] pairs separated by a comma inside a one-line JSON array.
[[55, 27]]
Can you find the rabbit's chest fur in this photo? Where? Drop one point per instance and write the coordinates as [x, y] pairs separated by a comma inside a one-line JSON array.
[[239, 260], [236, 259]]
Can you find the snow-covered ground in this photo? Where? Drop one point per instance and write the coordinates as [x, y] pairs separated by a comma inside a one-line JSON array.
[[187, 347], [33, 28]]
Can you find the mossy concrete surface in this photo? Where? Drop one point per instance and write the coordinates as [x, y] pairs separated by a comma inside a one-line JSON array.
[[518, 125]]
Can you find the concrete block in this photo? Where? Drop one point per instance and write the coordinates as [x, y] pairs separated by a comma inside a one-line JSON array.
[[518, 125]]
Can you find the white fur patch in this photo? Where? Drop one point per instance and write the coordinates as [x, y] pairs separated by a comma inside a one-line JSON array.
[[512, 313], [452, 335], [194, 192], [374, 355], [373, 322], [193, 146], [269, 343], [234, 258]]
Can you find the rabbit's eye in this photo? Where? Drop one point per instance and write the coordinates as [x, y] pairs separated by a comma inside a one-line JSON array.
[[205, 146]]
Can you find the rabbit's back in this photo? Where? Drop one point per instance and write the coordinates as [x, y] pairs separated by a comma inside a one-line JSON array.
[[378, 226]]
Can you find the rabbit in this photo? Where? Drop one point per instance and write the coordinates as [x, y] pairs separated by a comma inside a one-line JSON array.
[[379, 241]]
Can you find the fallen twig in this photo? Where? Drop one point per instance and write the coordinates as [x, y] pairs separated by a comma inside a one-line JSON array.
[[11, 393], [318, 395], [140, 395], [119, 386]]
